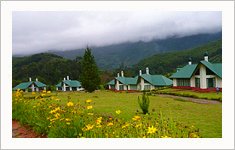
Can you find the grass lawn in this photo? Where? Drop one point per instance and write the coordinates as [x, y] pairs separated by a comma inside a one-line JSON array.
[[190, 93], [206, 117]]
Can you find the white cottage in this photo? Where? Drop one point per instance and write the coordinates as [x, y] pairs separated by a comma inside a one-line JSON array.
[[69, 85], [204, 75]]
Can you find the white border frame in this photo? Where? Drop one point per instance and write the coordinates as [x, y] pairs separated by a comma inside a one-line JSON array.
[[227, 8]]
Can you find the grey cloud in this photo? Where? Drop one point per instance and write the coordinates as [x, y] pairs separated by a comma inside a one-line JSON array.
[[35, 31]]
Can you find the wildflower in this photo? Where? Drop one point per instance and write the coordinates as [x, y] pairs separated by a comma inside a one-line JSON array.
[[33, 93], [68, 123], [34, 106], [151, 130], [135, 118], [99, 120], [88, 127], [43, 95], [48, 92], [57, 115], [126, 125], [89, 107], [110, 124], [90, 114], [67, 119], [165, 136], [57, 99], [44, 91], [118, 112], [70, 104], [88, 100]]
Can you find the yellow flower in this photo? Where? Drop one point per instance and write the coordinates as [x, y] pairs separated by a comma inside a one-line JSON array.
[[90, 114], [88, 127], [118, 112], [44, 91], [33, 93], [88, 100], [57, 115], [165, 136], [68, 123], [57, 99], [110, 124], [43, 94], [70, 104], [67, 119], [99, 120], [135, 118], [89, 107], [126, 125], [48, 92], [151, 130]]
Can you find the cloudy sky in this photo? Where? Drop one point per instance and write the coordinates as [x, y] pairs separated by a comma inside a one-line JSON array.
[[36, 31]]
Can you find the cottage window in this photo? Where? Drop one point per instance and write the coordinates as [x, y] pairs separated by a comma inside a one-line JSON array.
[[209, 72], [183, 82]]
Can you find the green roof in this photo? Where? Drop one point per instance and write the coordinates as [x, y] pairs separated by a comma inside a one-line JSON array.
[[39, 84], [111, 82], [157, 80], [127, 80], [25, 85], [185, 72], [188, 70], [71, 83], [216, 68]]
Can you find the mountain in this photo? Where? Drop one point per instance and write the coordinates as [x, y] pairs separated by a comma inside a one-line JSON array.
[[48, 68], [130, 53], [166, 63]]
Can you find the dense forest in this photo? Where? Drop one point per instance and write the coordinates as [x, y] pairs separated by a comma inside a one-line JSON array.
[[50, 68]]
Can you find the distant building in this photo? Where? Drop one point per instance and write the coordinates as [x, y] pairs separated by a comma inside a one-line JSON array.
[[140, 82], [111, 85], [125, 83], [69, 85], [150, 82], [31, 86], [204, 75]]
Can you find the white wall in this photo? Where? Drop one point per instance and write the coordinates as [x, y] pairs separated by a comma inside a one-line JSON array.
[[174, 82], [218, 82]]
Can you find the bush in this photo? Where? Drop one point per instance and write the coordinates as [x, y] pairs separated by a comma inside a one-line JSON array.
[[144, 103]]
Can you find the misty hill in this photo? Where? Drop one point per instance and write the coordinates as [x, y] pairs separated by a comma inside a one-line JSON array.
[[48, 68], [112, 56], [166, 63]]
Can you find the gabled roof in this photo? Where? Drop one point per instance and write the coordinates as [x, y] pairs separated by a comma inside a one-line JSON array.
[[71, 83], [157, 80], [25, 85], [216, 68], [188, 70], [111, 82], [185, 72], [127, 80], [39, 84]]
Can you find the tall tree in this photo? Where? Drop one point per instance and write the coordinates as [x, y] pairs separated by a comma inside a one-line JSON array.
[[90, 76]]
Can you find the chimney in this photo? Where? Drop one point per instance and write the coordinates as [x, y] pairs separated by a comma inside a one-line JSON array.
[[36, 79], [30, 79], [147, 70], [140, 72], [122, 73], [64, 79], [67, 77], [206, 56], [118, 75], [190, 61]]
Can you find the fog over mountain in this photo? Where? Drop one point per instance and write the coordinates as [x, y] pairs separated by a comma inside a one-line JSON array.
[[35, 31]]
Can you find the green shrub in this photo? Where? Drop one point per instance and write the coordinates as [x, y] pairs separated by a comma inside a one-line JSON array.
[[144, 103]]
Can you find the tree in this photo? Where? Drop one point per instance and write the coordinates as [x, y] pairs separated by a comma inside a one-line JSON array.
[[90, 76]]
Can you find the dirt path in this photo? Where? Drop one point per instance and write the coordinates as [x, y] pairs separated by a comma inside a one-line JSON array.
[[195, 100], [19, 131]]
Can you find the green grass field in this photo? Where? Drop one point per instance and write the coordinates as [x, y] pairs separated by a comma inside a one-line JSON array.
[[190, 93], [206, 117]]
